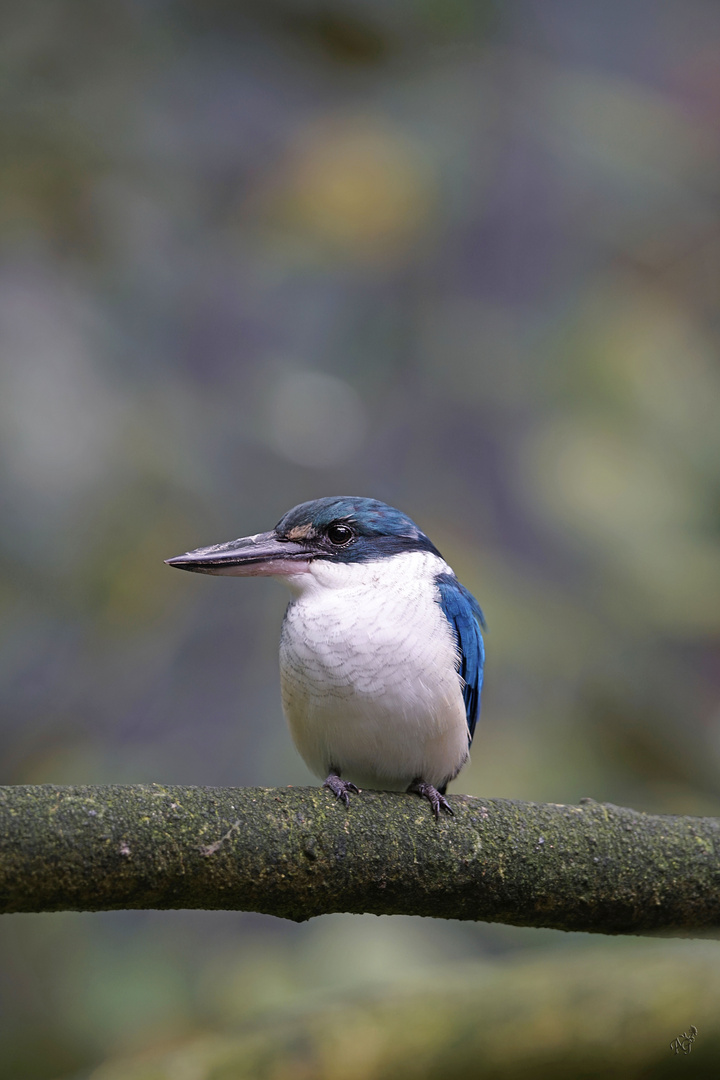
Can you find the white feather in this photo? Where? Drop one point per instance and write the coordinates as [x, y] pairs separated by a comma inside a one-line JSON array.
[[369, 675]]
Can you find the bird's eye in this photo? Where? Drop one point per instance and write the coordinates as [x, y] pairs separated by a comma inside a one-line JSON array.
[[339, 534]]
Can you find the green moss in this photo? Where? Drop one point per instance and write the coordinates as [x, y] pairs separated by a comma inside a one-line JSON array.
[[296, 853]]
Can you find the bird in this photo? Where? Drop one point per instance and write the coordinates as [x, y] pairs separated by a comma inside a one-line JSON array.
[[381, 648]]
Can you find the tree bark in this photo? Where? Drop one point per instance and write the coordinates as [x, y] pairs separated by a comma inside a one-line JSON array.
[[296, 853]]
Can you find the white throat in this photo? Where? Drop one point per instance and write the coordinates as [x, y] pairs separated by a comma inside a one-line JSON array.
[[369, 671]]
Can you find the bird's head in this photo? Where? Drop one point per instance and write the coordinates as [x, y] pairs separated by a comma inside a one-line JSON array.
[[342, 529]]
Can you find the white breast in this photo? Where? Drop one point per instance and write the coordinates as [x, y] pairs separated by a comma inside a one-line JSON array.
[[369, 675]]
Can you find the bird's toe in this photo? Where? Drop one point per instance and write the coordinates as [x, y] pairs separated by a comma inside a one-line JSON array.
[[340, 788], [437, 800]]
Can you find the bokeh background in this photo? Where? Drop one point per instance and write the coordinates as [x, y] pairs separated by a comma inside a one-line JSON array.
[[461, 256]]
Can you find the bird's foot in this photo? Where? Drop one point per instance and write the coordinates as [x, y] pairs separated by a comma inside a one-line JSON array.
[[340, 788], [436, 799]]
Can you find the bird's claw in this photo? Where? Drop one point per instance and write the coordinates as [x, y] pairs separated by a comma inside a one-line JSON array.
[[437, 801], [340, 788]]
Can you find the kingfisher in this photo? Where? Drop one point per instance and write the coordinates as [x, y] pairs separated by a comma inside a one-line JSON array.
[[381, 650]]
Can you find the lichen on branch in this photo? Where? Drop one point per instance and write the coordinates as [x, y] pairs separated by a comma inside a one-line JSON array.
[[297, 853]]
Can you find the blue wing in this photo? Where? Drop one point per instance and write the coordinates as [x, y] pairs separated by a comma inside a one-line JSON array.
[[464, 614]]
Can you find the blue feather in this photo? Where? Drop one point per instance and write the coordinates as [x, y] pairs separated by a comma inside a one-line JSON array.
[[463, 612], [380, 530]]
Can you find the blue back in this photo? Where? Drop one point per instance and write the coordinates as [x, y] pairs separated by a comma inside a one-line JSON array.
[[465, 616]]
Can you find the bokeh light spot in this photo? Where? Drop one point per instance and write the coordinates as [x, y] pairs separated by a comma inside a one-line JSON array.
[[314, 419]]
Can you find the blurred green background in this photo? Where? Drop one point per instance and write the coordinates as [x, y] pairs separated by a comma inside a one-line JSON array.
[[460, 256]]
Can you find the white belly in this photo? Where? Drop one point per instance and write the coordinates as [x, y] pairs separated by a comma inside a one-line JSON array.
[[369, 676]]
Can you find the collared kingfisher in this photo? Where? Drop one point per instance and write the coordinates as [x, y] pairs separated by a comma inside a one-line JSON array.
[[381, 651]]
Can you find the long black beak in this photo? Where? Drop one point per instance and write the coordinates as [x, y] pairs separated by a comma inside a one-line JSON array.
[[265, 554]]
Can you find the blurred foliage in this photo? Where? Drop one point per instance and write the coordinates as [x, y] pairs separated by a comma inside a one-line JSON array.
[[540, 1018], [462, 257]]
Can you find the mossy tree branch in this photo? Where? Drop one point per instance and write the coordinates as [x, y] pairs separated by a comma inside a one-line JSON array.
[[296, 853]]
